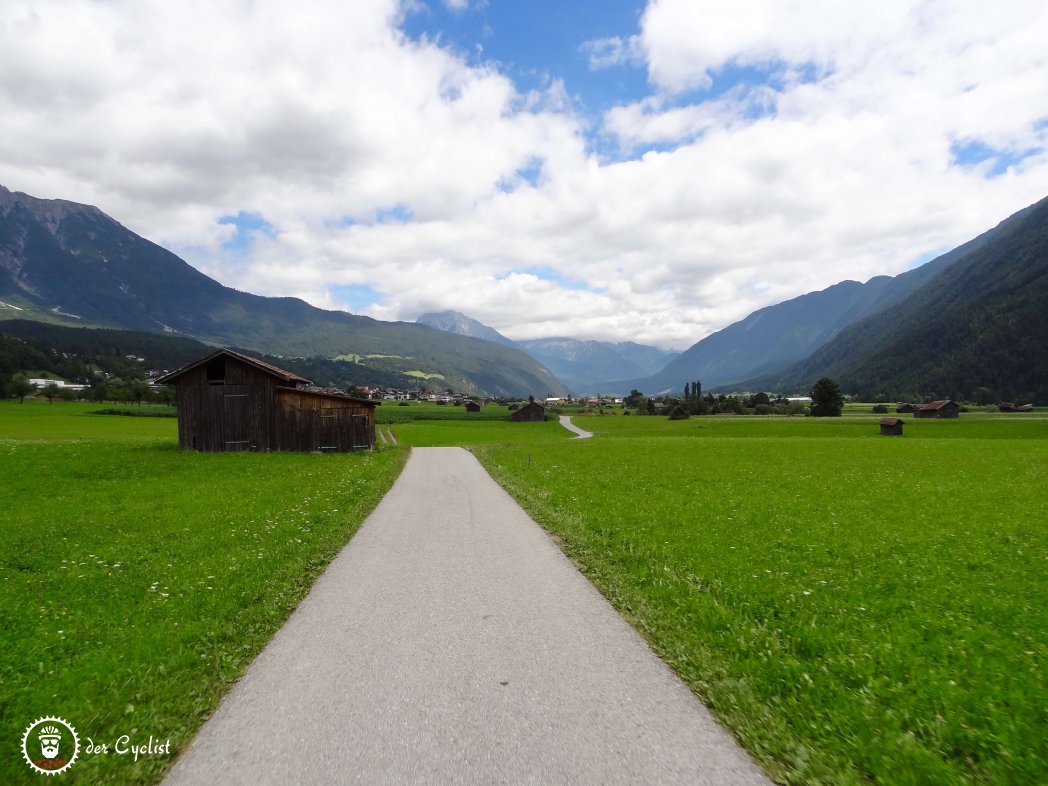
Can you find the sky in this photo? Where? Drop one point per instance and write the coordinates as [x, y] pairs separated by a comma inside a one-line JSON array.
[[615, 170]]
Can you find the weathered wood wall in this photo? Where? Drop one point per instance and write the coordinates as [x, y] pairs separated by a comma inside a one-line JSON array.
[[234, 412], [226, 405], [320, 423]]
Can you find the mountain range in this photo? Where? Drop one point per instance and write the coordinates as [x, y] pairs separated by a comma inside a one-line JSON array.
[[976, 330], [971, 323], [577, 363], [771, 339], [71, 264]]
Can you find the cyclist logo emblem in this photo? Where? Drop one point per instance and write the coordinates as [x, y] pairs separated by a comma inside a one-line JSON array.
[[50, 745]]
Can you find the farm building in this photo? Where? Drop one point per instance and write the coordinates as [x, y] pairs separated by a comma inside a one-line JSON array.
[[906, 409], [532, 412], [1006, 406], [472, 406], [938, 409], [229, 402], [891, 427]]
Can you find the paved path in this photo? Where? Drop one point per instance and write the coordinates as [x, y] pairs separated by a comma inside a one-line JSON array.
[[565, 421], [452, 642]]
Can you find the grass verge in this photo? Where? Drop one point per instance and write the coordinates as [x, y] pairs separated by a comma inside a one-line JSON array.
[[856, 609], [139, 581]]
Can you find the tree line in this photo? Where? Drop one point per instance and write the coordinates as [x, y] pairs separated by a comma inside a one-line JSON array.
[[826, 396]]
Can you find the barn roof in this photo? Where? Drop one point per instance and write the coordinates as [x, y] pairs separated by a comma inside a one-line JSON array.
[[935, 405], [891, 421], [326, 394], [261, 365]]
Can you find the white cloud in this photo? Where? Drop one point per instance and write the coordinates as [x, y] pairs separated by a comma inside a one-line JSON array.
[[323, 117], [605, 52]]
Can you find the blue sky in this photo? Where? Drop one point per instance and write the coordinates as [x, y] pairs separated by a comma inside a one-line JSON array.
[[646, 171], [538, 41]]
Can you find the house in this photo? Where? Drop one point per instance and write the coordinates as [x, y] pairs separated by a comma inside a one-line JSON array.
[[532, 412], [472, 406], [229, 402], [891, 427], [906, 409], [938, 409]]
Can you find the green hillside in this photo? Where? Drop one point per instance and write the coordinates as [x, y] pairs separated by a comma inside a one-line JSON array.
[[71, 264], [980, 324], [773, 338]]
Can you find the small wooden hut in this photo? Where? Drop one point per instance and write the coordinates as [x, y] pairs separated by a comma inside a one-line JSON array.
[[938, 409], [532, 412], [906, 409], [891, 427], [472, 406], [229, 402]]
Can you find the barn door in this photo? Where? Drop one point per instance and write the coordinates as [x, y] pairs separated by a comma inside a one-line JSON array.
[[234, 418], [328, 430], [361, 432]]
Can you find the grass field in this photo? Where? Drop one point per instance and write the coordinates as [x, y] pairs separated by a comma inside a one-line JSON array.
[[137, 581], [856, 608]]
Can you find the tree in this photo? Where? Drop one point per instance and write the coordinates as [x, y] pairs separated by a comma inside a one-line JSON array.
[[826, 399], [100, 392], [138, 391], [21, 387], [51, 392]]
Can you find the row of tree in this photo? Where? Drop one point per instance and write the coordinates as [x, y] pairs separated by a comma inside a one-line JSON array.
[[135, 391], [826, 401]]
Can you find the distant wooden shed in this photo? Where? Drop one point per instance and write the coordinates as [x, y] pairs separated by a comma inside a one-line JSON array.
[[891, 427], [231, 402], [1006, 406], [938, 409], [906, 409], [472, 406], [532, 412]]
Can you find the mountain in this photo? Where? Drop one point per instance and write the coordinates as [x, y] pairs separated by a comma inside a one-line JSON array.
[[576, 363], [981, 323], [775, 337], [581, 364], [74, 353], [454, 322], [71, 264]]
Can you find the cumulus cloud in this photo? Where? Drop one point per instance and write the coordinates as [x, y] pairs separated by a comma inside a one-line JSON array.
[[785, 145]]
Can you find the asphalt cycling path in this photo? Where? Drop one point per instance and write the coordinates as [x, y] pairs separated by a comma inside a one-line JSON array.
[[565, 421], [452, 642]]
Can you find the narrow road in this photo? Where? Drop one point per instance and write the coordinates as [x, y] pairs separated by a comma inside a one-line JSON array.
[[565, 421], [452, 642]]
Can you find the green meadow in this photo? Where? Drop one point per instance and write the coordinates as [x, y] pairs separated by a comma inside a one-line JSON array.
[[857, 609], [139, 581]]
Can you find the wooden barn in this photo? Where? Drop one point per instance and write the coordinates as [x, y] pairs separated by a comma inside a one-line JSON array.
[[891, 427], [938, 409], [229, 402], [532, 412], [1006, 406], [906, 409], [472, 406]]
